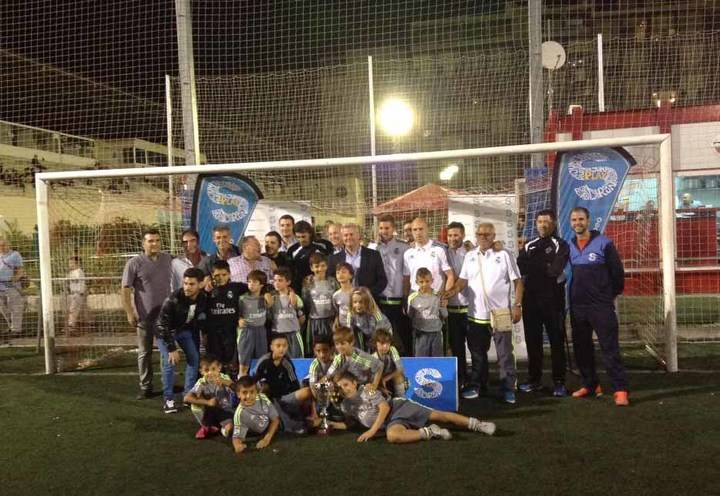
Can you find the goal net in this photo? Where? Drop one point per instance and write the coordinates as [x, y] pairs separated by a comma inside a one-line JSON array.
[[97, 221]]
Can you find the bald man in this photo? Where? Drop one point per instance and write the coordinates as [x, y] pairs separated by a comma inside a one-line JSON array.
[[427, 253]]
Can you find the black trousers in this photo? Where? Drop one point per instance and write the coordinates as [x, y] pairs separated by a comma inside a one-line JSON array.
[[402, 333], [602, 320], [457, 333], [550, 316]]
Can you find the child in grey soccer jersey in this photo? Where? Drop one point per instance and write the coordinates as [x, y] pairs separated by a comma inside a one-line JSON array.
[[366, 318], [286, 314], [317, 293], [364, 366], [426, 311], [344, 274], [212, 399], [393, 374], [252, 334], [404, 420]]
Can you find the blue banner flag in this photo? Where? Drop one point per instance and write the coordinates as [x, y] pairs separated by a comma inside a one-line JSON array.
[[227, 199], [591, 179], [432, 381]]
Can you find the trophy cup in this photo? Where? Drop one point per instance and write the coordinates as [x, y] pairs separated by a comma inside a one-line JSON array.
[[324, 391]]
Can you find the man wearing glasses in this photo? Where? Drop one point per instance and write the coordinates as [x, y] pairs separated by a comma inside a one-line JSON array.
[[488, 273]]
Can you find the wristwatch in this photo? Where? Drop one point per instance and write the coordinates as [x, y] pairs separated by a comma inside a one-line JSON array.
[[519, 305]]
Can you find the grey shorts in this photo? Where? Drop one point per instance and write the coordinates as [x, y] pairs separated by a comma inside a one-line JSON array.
[[251, 343], [320, 327], [408, 413], [291, 418]]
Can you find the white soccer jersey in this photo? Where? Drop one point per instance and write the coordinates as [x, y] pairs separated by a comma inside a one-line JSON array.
[[433, 257], [499, 270]]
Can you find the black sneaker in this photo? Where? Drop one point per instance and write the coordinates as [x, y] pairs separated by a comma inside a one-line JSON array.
[[144, 394], [530, 387], [169, 406]]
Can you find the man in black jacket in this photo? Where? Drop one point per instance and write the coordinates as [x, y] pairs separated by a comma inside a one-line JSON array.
[[542, 262], [178, 326], [300, 252], [368, 264]]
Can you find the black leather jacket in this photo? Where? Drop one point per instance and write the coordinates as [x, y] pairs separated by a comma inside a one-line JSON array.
[[173, 316]]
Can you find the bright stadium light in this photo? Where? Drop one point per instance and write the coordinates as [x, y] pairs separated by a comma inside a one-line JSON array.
[[396, 117], [449, 172]]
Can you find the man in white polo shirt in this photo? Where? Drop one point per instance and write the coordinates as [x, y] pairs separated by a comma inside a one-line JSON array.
[[429, 254], [499, 270]]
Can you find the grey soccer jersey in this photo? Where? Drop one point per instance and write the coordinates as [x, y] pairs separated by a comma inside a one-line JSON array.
[[317, 371], [284, 315], [364, 406], [392, 254], [368, 324], [425, 312], [360, 364], [255, 418], [207, 390], [390, 362], [253, 310], [341, 303], [318, 298]]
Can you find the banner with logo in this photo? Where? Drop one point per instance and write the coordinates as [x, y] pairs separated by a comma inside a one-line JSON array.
[[267, 215], [227, 199], [432, 381], [591, 179]]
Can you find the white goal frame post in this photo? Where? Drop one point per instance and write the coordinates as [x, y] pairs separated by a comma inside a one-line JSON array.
[[666, 209]]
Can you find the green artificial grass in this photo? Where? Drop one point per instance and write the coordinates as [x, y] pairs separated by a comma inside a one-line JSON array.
[[88, 435]]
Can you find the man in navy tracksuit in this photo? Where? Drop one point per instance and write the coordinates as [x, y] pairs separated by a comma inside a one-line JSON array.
[[597, 278]]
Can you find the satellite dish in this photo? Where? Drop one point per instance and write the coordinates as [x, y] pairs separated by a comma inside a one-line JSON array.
[[553, 55]]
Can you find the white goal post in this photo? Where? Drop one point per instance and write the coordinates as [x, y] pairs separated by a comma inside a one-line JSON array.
[[666, 213]]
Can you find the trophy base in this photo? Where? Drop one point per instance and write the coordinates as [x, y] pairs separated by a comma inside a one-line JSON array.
[[324, 432]]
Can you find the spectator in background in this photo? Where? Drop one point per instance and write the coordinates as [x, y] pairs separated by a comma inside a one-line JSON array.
[[367, 263], [273, 243], [300, 252], [250, 259], [77, 297], [408, 233], [192, 257], [12, 274], [286, 225], [333, 234], [145, 285], [225, 251]]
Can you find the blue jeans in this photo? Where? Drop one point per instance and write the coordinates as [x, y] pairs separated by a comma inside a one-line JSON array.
[[189, 344]]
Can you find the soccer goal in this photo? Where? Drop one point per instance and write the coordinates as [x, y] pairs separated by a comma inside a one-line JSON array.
[[95, 218]]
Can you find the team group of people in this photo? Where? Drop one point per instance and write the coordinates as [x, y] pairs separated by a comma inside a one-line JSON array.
[[356, 309]]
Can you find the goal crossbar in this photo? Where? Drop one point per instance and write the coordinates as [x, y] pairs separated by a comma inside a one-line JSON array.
[[666, 208]]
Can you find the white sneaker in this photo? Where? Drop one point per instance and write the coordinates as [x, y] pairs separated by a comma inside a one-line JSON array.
[[437, 432], [484, 427], [169, 406]]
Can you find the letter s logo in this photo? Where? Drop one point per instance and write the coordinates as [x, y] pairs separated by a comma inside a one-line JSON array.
[[429, 382]]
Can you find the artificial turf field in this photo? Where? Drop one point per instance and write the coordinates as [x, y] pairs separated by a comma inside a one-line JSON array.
[[86, 434]]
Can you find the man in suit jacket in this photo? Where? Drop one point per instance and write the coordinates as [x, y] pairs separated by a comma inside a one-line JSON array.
[[368, 264]]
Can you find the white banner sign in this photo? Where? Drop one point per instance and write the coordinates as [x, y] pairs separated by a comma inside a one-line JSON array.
[[502, 212], [267, 214]]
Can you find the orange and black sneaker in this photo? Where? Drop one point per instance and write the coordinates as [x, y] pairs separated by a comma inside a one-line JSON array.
[[621, 398], [584, 392]]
